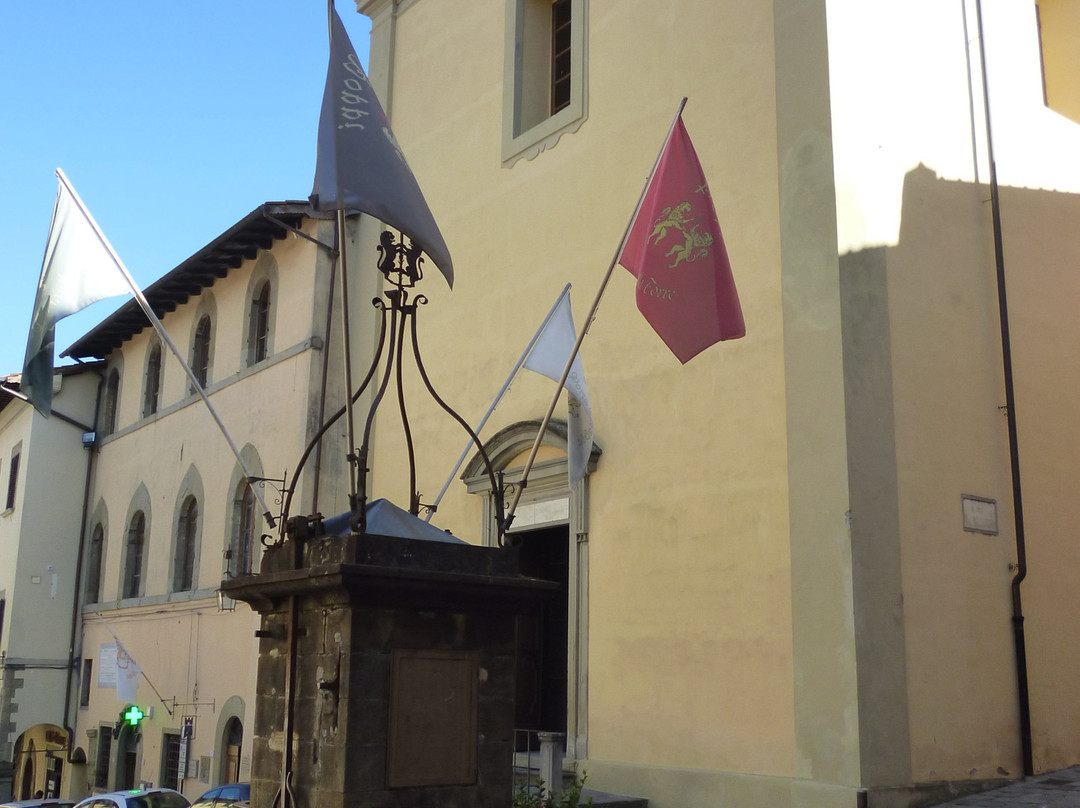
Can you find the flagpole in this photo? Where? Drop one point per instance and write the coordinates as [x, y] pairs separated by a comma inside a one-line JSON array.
[[149, 312], [585, 328], [498, 398], [347, 359]]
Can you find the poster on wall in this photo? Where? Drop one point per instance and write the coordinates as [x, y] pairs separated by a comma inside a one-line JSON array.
[[106, 666]]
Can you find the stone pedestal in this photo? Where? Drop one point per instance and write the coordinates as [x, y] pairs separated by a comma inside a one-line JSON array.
[[404, 675]]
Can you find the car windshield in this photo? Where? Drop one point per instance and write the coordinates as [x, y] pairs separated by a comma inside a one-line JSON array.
[[159, 800]]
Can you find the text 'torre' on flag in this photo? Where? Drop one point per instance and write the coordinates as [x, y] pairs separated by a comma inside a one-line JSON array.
[[79, 269], [676, 252], [360, 166], [548, 358]]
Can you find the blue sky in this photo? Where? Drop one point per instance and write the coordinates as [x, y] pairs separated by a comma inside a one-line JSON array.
[[171, 120]]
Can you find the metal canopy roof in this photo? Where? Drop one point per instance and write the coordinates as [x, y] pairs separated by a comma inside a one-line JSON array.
[[228, 251]]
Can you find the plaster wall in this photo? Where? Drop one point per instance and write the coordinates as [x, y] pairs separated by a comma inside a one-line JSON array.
[[40, 538], [914, 222], [198, 659], [690, 657]]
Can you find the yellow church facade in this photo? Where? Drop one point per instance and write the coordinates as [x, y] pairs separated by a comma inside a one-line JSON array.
[[795, 573]]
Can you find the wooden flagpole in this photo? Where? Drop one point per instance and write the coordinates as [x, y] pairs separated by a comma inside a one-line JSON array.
[[585, 328]]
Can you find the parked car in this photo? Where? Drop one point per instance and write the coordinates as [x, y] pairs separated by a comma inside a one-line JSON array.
[[40, 802], [137, 798], [230, 795]]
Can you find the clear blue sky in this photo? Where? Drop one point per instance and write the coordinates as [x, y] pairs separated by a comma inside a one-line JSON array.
[[171, 120]]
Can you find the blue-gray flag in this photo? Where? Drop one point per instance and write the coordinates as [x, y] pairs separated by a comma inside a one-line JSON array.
[[360, 165]]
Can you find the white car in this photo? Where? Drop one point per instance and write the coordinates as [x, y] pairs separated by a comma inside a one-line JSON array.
[[138, 798]]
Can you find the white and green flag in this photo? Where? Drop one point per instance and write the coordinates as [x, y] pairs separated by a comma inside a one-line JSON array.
[[79, 268]]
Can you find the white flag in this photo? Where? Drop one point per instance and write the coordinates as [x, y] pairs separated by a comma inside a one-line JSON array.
[[79, 268], [127, 675], [548, 358]]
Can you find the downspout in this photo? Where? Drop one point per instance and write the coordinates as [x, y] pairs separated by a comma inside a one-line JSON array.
[[76, 608], [1010, 413]]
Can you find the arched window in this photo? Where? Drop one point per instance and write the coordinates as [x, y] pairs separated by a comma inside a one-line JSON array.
[[186, 536], [200, 351], [152, 391], [133, 563], [93, 564], [112, 396], [259, 326], [244, 541]]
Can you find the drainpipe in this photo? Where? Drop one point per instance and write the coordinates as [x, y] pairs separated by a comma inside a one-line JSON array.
[[76, 608], [1010, 413]]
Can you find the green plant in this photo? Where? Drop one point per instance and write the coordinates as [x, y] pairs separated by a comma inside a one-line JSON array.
[[526, 796]]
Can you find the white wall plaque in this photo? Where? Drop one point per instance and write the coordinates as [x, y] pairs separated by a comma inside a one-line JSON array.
[[980, 514]]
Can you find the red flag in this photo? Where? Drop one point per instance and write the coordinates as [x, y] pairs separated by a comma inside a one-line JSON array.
[[676, 251]]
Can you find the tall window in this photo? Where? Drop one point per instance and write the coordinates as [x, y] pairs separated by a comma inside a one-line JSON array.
[[244, 544], [93, 564], [545, 82], [133, 563], [259, 329], [85, 682], [186, 530], [152, 391], [112, 396], [560, 55], [13, 479], [200, 351]]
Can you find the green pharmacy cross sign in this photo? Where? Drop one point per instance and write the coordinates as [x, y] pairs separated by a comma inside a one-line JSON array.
[[133, 716]]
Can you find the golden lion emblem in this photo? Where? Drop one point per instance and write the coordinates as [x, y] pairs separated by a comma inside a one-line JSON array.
[[694, 244]]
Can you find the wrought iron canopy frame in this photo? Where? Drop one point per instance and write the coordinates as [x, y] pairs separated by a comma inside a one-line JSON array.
[[400, 263]]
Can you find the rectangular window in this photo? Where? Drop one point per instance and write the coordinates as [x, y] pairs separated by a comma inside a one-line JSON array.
[[86, 682], [560, 55], [545, 82], [13, 480]]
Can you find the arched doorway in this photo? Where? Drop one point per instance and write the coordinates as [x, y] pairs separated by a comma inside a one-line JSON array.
[[127, 761], [232, 744], [551, 530]]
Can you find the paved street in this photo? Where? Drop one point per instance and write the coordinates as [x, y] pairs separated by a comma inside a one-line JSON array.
[[1060, 789]]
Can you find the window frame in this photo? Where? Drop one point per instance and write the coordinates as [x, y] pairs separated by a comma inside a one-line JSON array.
[[13, 477], [153, 380], [94, 563], [134, 557], [111, 404], [259, 323], [201, 349], [187, 538], [522, 139]]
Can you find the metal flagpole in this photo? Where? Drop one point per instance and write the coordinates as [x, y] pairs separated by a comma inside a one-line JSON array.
[[585, 328], [149, 312], [350, 429], [498, 398]]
